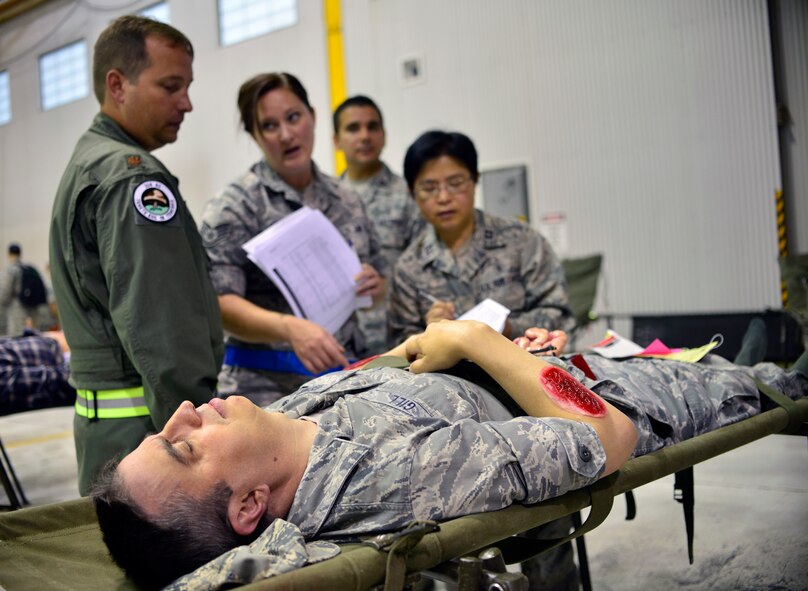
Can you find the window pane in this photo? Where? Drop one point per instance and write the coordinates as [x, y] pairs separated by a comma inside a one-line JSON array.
[[240, 20], [5, 98], [159, 12], [63, 75]]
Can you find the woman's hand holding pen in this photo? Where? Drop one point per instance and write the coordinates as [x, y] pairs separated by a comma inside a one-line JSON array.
[[440, 310]]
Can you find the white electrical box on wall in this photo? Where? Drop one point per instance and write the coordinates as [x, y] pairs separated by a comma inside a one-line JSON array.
[[412, 70]]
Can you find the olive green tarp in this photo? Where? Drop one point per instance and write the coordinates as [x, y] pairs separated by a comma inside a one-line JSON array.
[[59, 546]]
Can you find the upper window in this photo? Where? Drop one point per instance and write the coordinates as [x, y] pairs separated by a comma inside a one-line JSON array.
[[159, 12], [240, 20], [63, 75], [5, 98]]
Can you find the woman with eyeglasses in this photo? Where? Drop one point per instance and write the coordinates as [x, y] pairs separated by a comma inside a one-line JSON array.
[[270, 352], [465, 255]]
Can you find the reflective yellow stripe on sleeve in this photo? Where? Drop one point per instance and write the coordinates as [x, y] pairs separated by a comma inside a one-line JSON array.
[[123, 403]]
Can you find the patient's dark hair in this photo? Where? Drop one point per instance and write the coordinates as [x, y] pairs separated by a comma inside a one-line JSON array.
[[154, 551], [434, 144]]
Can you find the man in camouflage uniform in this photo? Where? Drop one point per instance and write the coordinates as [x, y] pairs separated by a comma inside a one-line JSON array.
[[359, 133], [363, 451], [129, 271]]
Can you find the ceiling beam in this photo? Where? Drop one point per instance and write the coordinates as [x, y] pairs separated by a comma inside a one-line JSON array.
[[10, 9]]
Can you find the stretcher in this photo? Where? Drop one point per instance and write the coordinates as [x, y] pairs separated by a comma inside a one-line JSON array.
[[59, 546]]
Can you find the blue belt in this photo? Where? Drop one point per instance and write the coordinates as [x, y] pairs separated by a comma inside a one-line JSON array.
[[269, 360]]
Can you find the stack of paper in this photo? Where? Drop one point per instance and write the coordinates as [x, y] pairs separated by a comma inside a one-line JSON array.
[[312, 265]]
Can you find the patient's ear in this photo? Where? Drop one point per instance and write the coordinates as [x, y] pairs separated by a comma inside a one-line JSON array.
[[246, 511]]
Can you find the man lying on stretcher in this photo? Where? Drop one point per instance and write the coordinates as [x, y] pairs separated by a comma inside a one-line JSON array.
[[363, 451]]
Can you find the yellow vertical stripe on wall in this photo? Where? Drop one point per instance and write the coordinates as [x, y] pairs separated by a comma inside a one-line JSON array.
[[336, 65], [782, 238]]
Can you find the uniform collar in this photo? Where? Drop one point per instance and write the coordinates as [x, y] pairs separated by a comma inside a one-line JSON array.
[[105, 125], [319, 195], [315, 498], [383, 178]]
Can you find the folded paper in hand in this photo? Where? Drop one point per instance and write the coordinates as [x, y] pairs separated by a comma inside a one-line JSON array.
[[490, 312], [312, 265]]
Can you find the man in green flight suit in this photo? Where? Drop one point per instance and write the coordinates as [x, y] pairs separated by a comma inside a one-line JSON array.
[[129, 271]]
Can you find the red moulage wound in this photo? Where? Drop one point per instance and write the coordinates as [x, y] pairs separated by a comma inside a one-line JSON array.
[[570, 394]]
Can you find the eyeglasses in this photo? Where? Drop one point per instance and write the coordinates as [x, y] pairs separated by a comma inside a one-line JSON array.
[[428, 190]]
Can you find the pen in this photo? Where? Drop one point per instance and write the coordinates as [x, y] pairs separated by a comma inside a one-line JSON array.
[[546, 349], [430, 297]]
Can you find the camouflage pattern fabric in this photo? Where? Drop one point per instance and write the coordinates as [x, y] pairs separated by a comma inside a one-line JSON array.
[[280, 549], [398, 221], [393, 447], [670, 401], [505, 260], [244, 209]]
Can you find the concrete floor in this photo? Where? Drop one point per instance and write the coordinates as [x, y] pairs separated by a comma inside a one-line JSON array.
[[751, 529]]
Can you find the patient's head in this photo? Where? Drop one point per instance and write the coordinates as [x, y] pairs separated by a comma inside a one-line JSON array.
[[185, 495], [156, 549]]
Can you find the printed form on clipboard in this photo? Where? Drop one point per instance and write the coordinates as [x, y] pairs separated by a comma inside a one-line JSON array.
[[312, 265]]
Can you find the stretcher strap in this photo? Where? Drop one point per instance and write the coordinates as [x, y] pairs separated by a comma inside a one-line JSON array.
[[795, 421], [398, 545], [518, 549]]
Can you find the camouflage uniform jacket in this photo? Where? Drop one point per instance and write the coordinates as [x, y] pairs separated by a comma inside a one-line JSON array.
[[398, 221], [247, 207], [392, 210], [394, 446], [504, 260]]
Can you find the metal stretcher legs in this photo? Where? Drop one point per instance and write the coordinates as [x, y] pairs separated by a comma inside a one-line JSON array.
[[14, 492], [484, 572], [683, 492]]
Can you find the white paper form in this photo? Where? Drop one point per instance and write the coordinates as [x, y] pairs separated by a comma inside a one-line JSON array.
[[312, 265], [489, 311], [615, 346]]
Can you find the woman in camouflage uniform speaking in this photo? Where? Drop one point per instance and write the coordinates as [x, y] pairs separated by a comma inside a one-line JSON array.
[[270, 352]]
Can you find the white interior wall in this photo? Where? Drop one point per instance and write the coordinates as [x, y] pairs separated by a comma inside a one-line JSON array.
[[650, 123], [211, 149]]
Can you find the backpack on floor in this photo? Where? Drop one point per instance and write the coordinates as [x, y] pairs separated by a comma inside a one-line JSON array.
[[32, 289]]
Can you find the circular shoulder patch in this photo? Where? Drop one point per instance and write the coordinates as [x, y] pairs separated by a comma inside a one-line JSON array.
[[155, 201]]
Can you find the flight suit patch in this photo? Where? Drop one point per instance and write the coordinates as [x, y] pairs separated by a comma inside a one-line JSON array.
[[155, 202]]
